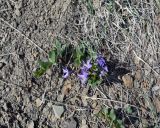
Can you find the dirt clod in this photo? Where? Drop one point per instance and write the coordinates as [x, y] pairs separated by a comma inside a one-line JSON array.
[[128, 81]]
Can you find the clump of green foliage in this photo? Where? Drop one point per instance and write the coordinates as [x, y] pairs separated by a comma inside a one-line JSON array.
[[91, 66], [110, 116], [54, 55]]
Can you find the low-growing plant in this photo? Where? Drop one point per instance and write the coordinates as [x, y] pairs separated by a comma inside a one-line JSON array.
[[91, 67], [110, 116], [45, 65], [79, 55]]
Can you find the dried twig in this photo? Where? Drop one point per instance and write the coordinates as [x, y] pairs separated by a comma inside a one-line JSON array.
[[145, 63]]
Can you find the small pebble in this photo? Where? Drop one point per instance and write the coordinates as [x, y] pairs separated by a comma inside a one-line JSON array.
[[30, 124]]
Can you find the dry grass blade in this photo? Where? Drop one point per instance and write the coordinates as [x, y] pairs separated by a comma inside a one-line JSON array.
[[111, 100], [146, 63], [13, 53]]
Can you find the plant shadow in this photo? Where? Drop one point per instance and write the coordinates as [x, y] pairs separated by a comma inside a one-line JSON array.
[[115, 73]]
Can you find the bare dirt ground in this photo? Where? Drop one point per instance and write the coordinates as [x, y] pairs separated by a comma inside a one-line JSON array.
[[126, 32]]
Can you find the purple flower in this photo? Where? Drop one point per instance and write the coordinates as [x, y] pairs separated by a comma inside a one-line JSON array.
[[102, 73], [105, 68], [87, 66], [83, 76], [101, 61], [65, 73]]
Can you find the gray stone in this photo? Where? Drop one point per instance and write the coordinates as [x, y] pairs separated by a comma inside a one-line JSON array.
[[58, 110]]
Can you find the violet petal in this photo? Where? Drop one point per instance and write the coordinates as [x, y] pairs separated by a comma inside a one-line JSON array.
[[65, 73], [87, 66], [83, 76], [101, 61], [105, 68]]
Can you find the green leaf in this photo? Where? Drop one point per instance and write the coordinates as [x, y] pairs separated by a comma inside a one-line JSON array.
[[94, 79], [93, 55], [44, 66], [94, 68], [94, 83], [119, 123], [112, 114], [58, 47], [105, 112], [39, 72], [52, 56], [129, 109], [77, 61], [78, 56], [63, 47]]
